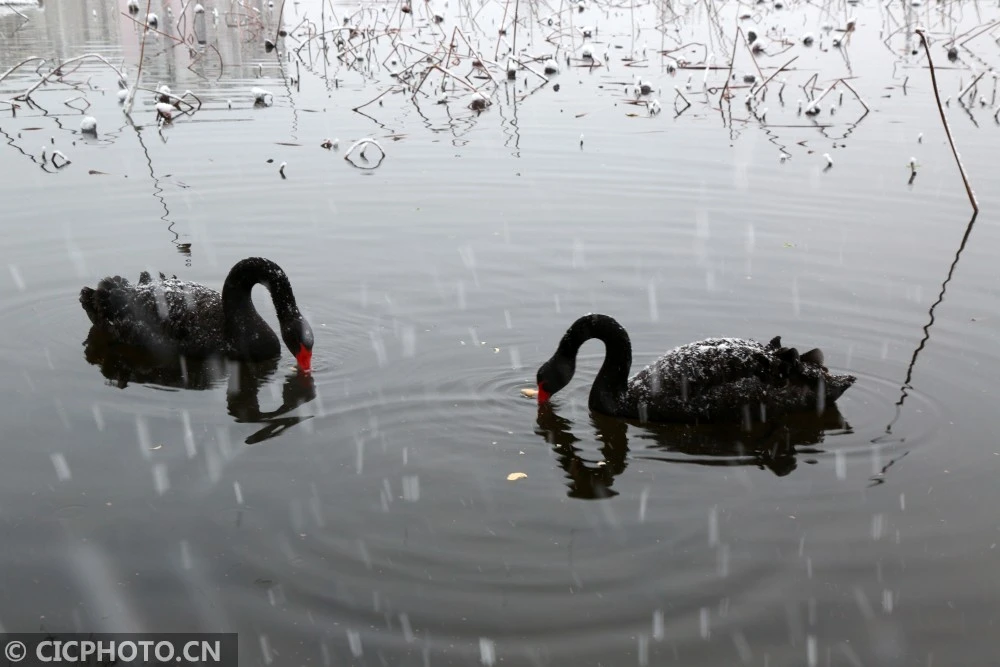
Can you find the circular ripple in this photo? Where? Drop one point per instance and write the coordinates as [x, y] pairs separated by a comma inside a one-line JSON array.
[[42, 325], [887, 414]]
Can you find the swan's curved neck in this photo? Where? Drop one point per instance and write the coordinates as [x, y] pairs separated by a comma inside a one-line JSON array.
[[611, 384], [239, 283]]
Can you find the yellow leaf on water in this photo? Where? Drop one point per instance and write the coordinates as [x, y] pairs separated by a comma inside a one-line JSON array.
[[514, 476]]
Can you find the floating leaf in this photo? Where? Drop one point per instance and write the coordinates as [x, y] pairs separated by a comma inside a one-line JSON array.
[[514, 476], [530, 393]]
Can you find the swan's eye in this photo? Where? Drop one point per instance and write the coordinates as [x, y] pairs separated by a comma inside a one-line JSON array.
[[307, 336]]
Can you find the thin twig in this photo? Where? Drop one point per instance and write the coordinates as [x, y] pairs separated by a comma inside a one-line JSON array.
[[732, 60], [180, 17], [222, 66], [944, 121], [14, 9], [777, 72], [503, 26], [850, 88], [375, 99], [477, 54], [130, 97], [281, 12], [814, 103], [971, 86]]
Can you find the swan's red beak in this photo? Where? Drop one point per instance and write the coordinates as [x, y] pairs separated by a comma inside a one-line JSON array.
[[543, 396], [304, 357]]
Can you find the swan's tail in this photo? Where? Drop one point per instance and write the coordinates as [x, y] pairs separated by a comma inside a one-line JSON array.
[[836, 385], [107, 303]]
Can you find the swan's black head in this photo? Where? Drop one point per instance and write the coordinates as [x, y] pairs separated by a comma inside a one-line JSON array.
[[553, 375], [298, 337]]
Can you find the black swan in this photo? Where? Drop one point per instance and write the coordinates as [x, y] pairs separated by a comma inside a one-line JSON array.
[[713, 380], [173, 317]]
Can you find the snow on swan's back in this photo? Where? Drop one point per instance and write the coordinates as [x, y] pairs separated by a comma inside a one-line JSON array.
[[712, 380]]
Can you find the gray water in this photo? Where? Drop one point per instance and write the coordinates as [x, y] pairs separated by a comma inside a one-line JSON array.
[[365, 516]]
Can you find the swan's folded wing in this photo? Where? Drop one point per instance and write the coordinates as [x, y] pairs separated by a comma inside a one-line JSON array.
[[699, 379], [178, 314], [714, 362]]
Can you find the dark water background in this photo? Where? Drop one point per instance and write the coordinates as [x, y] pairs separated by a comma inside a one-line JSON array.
[[366, 518]]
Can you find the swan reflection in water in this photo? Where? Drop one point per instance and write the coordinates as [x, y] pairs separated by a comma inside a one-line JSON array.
[[776, 446], [122, 364]]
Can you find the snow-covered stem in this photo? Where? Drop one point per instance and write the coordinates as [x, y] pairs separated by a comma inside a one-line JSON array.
[[814, 104], [971, 86], [21, 64], [59, 154], [531, 69], [26, 94], [363, 142], [178, 98], [74, 99]]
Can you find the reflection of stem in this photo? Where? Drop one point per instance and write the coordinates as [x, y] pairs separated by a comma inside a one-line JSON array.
[[184, 248], [927, 328], [10, 141], [511, 124], [359, 144], [288, 88]]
